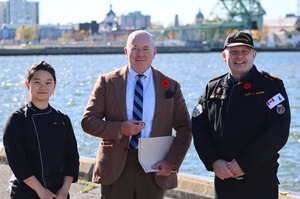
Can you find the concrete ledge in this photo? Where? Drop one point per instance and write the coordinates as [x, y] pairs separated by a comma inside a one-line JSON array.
[[86, 168], [2, 156], [194, 187], [189, 186]]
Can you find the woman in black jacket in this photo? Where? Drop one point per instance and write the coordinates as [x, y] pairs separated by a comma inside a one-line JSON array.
[[39, 142]]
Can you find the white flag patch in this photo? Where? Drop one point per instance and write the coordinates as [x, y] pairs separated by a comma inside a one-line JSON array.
[[271, 103]]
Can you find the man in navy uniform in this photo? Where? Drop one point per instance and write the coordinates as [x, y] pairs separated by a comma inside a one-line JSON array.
[[240, 123]]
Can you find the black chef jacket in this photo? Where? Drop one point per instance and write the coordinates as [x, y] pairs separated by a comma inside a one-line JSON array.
[[40, 143]]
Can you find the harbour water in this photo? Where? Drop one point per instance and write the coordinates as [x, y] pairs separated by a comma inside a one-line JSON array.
[[76, 75]]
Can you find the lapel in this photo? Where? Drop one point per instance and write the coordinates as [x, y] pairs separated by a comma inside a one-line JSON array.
[[119, 81], [159, 97]]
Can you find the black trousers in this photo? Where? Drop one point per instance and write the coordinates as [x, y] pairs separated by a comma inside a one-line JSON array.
[[264, 186]]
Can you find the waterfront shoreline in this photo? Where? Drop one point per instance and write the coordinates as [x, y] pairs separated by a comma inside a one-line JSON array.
[[76, 50]]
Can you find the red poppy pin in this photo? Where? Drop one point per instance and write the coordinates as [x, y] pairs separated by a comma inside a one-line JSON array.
[[169, 93], [247, 86], [165, 83]]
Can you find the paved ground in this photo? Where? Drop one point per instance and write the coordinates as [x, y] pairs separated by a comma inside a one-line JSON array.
[[76, 188], [75, 192]]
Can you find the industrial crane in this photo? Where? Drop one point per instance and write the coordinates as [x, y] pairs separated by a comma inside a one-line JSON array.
[[226, 16]]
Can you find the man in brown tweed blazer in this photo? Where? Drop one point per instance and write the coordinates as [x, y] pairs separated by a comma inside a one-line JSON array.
[[108, 115]]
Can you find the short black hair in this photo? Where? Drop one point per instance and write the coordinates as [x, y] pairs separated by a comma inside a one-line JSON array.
[[42, 65]]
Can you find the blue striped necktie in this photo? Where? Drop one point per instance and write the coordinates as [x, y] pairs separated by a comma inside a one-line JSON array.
[[137, 109]]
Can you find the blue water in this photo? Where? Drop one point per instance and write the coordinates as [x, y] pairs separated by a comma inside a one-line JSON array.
[[76, 75]]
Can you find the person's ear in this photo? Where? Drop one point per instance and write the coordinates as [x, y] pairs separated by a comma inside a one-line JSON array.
[[224, 56], [27, 84]]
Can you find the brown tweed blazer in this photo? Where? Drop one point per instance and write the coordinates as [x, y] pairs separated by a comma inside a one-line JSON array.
[[106, 110]]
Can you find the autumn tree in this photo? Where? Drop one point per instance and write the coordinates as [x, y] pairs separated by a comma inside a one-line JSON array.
[[26, 33]]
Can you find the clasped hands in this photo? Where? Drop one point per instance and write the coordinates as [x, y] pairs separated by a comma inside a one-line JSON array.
[[225, 170]]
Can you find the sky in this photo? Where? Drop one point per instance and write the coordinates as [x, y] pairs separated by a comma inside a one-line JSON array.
[[161, 11]]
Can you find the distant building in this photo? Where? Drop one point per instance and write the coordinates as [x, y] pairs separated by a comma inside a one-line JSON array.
[[292, 38], [283, 32], [110, 22], [93, 27], [131, 21], [33, 12], [134, 21], [8, 32], [19, 12], [3, 13], [44, 32], [52, 32], [289, 23], [199, 18], [176, 24]]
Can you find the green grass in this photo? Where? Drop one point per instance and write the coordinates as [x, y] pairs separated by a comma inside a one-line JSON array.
[[88, 186]]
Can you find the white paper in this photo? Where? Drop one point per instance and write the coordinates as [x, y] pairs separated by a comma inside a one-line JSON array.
[[153, 150]]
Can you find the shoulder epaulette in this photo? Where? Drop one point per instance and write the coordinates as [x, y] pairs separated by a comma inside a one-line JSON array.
[[270, 76], [216, 78]]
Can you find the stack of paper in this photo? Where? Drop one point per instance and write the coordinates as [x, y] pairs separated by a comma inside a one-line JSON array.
[[153, 150]]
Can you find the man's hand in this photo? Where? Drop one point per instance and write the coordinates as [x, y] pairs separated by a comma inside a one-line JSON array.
[[235, 168], [221, 169], [165, 168], [131, 127]]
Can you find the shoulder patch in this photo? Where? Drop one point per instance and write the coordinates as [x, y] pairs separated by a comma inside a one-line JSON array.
[[275, 100], [270, 76], [197, 110]]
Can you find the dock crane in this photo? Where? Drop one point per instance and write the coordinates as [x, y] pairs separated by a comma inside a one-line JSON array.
[[226, 16]]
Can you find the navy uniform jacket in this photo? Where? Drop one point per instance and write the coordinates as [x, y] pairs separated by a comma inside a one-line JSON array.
[[248, 122], [40, 143]]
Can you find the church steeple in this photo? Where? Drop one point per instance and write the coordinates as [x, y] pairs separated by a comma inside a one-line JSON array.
[[199, 17], [111, 12], [176, 24]]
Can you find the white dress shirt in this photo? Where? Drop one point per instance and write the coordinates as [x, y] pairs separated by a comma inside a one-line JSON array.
[[148, 98]]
